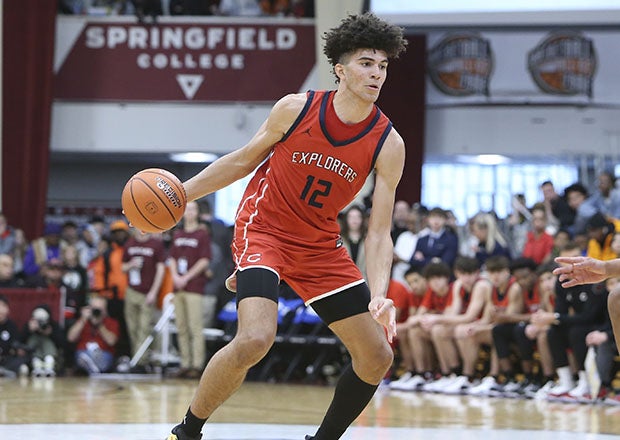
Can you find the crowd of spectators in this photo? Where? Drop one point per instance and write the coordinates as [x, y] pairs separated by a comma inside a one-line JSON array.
[[152, 9], [485, 315], [112, 282], [479, 310]]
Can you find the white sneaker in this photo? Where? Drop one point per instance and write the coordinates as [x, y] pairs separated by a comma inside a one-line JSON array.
[[559, 392], [580, 394], [413, 384], [458, 385], [543, 392], [435, 385], [484, 387], [395, 385]]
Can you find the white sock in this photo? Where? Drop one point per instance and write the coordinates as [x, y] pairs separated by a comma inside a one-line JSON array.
[[565, 377]]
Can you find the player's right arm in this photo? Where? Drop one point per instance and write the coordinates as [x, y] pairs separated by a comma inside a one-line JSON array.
[[239, 163]]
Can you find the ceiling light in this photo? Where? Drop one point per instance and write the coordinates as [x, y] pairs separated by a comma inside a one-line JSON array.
[[193, 157]]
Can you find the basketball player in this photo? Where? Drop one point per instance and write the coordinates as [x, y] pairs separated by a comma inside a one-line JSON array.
[[315, 151], [586, 270]]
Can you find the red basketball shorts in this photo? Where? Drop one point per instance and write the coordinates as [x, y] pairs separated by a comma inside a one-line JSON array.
[[313, 273]]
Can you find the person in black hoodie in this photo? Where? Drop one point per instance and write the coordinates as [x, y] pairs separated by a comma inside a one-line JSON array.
[[578, 311]]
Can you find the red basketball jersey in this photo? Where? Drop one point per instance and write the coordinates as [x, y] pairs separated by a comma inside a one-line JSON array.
[[310, 175]]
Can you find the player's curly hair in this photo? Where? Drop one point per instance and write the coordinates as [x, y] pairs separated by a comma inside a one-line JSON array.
[[365, 31]]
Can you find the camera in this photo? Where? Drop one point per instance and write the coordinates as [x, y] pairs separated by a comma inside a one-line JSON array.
[[96, 313], [43, 324]]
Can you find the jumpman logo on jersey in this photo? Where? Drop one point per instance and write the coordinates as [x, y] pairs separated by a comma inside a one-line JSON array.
[[307, 131]]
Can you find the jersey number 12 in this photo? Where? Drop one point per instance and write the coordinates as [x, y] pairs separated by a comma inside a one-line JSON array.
[[321, 189]]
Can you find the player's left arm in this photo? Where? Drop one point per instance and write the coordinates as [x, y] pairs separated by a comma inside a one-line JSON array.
[[378, 243]]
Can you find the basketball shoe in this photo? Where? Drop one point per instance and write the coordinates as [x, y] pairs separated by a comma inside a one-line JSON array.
[[177, 433]]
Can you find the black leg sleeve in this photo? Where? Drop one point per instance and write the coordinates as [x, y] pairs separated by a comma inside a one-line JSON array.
[[351, 396]]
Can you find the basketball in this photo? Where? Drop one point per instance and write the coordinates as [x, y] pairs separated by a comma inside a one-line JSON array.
[[153, 200]]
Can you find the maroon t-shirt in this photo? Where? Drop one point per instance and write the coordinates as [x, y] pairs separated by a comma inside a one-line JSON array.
[[151, 251], [187, 248]]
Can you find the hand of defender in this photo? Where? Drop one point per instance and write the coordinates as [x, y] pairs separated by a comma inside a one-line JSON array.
[[383, 311], [579, 270]]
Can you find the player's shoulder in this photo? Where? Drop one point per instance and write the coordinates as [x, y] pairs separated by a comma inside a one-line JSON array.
[[292, 103]]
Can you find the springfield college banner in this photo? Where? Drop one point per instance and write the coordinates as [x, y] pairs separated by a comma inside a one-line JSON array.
[[182, 61]]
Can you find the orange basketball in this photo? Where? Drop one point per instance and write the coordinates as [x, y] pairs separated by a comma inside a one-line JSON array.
[[154, 200]]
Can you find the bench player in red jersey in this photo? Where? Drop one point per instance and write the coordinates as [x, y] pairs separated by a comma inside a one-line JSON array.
[[315, 151]]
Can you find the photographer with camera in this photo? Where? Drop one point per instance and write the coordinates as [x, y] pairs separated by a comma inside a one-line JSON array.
[[44, 338], [95, 335]]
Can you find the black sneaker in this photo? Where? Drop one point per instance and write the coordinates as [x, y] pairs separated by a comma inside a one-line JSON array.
[[177, 433]]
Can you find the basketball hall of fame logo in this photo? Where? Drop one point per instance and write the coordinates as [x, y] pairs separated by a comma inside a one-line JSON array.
[[563, 63], [460, 64]]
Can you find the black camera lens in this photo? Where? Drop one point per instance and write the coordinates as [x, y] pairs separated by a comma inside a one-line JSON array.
[[96, 313]]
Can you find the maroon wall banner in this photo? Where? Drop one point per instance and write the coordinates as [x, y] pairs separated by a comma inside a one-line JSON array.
[[186, 61]]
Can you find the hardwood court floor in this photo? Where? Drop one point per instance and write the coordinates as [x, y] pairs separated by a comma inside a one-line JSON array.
[[89, 409]]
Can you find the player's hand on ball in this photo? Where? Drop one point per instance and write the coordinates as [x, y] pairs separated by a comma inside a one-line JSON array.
[[383, 311]]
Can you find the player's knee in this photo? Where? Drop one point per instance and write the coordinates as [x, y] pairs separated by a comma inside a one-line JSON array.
[[252, 347], [380, 359]]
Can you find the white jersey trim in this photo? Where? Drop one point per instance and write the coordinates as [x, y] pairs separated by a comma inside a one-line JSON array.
[[333, 292], [251, 217]]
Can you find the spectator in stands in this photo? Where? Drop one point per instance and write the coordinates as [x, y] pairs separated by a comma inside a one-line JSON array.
[[108, 279], [469, 294], [602, 339], [302, 8], [517, 225], [74, 281], [532, 335], [42, 249], [560, 239], [578, 311], [8, 240], [538, 244], [510, 325], [606, 199], [95, 335], [439, 245], [405, 244], [144, 263], [506, 297], [417, 288], [559, 213], [147, 8], [92, 235], [70, 236], [45, 340], [601, 231], [7, 273], [279, 8], [353, 233], [490, 241], [577, 198], [190, 254], [12, 352], [615, 245], [49, 276], [435, 301], [400, 217], [240, 8]]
